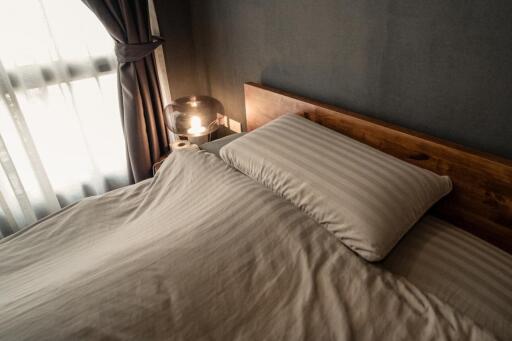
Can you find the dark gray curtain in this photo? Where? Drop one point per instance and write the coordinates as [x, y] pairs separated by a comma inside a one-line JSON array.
[[127, 21]]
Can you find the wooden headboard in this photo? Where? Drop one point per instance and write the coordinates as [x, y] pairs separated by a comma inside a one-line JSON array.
[[481, 200]]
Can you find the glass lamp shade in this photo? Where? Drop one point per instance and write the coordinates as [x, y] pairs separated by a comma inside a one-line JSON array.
[[193, 115]]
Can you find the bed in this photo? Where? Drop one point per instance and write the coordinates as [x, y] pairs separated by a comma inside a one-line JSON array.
[[202, 251]]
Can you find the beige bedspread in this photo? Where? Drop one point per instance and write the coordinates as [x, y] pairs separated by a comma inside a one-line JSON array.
[[203, 252]]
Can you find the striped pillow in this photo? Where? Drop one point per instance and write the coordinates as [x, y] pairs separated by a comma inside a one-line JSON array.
[[367, 198]]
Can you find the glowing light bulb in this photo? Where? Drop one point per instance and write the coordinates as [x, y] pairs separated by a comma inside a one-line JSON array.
[[196, 126]]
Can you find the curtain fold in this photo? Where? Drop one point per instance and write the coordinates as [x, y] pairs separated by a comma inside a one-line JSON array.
[[139, 94]]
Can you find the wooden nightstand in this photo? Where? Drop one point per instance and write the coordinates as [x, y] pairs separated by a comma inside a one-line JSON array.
[[213, 145]]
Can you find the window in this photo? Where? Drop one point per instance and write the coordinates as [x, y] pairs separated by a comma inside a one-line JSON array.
[[61, 136]]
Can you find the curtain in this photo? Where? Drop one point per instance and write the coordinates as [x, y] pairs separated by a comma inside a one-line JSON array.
[[61, 136], [140, 99]]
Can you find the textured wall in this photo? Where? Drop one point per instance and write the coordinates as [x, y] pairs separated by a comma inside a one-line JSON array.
[[175, 23], [440, 67]]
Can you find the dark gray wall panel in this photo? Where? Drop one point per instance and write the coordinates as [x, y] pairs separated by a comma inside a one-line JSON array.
[[175, 23], [440, 67]]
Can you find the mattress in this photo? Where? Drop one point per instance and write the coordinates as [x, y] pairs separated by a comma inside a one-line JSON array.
[[203, 252], [464, 271]]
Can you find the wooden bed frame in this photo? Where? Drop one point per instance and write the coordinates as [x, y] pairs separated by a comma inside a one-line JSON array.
[[481, 200]]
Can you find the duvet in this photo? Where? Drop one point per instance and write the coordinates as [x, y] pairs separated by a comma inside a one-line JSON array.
[[203, 252]]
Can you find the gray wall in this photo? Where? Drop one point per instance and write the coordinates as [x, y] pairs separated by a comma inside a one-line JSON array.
[[441, 67], [175, 23]]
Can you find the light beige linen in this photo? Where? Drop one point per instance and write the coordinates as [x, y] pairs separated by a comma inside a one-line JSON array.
[[203, 252], [367, 198], [468, 273]]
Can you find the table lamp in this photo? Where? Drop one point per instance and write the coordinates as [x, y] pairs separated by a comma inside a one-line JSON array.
[[194, 117]]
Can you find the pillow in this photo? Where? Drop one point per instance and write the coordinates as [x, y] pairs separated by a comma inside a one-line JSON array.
[[366, 198], [215, 145]]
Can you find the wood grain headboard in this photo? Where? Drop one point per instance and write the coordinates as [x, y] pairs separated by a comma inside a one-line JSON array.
[[481, 200]]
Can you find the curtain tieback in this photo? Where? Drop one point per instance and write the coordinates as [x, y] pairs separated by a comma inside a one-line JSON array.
[[132, 52]]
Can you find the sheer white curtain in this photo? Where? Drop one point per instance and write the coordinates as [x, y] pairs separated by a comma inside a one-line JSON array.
[[60, 130]]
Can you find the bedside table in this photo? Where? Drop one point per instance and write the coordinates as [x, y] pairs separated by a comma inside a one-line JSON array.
[[213, 146]]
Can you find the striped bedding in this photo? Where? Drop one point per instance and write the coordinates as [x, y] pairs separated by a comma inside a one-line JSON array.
[[365, 197], [471, 275], [203, 252]]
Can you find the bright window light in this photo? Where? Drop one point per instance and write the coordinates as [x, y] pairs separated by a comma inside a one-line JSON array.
[[58, 63]]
